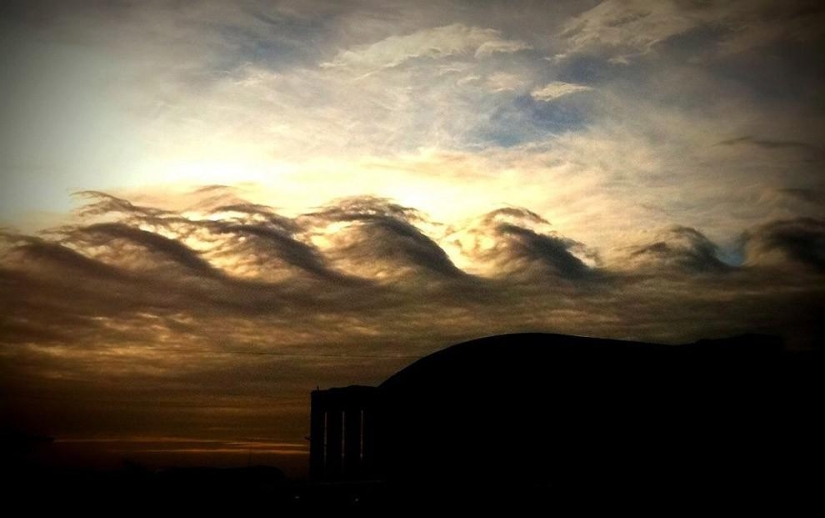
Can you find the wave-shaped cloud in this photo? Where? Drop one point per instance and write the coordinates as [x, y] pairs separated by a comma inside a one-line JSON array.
[[676, 247], [514, 242], [379, 238], [799, 241], [222, 305], [355, 243], [373, 239]]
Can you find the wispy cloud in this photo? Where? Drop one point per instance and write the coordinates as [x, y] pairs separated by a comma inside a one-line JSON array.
[[491, 47], [438, 42], [773, 144], [556, 89], [626, 30]]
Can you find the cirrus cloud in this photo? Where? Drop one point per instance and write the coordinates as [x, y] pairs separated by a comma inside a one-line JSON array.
[[429, 43]]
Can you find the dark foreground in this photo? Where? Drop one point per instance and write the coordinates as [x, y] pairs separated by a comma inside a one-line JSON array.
[[513, 425], [263, 490]]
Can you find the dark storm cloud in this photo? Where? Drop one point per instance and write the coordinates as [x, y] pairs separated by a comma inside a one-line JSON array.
[[798, 241]]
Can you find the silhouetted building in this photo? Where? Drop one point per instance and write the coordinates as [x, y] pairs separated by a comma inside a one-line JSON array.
[[342, 433], [577, 412]]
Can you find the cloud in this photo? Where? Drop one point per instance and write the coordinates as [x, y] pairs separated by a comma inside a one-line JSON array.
[[503, 82], [756, 25], [627, 28], [438, 42], [261, 243], [488, 48], [286, 124], [33, 251], [103, 204], [792, 196], [516, 243], [624, 30], [799, 242], [677, 247], [524, 249], [243, 239], [380, 240], [770, 144], [140, 249], [556, 89]]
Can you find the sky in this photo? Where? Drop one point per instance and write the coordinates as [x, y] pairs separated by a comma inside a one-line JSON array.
[[208, 209]]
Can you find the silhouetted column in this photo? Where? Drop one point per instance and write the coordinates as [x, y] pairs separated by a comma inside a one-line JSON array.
[[368, 462], [352, 440], [333, 453], [317, 423], [342, 435]]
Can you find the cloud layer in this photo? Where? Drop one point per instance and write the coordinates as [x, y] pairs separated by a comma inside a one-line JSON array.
[[219, 321]]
